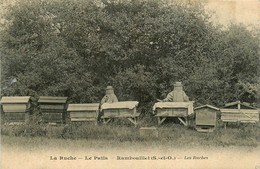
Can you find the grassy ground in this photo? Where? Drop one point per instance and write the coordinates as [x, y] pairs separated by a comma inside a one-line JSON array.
[[33, 146], [173, 134]]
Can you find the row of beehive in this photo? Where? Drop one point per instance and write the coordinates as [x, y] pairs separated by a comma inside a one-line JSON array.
[[54, 110], [207, 116], [17, 109]]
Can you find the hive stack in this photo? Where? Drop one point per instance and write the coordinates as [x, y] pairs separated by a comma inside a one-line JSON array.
[[53, 109], [83, 112], [16, 109]]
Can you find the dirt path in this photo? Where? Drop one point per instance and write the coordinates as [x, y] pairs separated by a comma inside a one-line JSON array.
[[40, 153]]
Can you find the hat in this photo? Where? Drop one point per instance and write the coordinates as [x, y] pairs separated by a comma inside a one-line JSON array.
[[109, 88], [177, 84]]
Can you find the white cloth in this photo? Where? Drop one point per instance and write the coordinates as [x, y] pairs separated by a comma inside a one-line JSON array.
[[120, 105], [161, 105]]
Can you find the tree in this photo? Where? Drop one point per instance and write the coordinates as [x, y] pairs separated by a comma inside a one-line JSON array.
[[77, 48]]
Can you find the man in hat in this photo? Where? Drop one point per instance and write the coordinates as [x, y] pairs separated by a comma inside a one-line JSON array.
[[177, 95], [110, 96]]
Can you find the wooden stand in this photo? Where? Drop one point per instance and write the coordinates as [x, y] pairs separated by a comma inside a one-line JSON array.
[[161, 120], [205, 128], [132, 119], [183, 120]]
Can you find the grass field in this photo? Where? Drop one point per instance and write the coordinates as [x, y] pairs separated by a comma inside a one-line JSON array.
[[30, 146], [178, 135]]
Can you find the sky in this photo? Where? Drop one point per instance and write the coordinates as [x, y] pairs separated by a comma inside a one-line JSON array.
[[236, 11], [224, 11]]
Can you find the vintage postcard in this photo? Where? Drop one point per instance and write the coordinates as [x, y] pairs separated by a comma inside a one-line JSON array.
[[118, 84]]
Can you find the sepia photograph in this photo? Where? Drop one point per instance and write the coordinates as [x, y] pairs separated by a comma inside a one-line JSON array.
[[130, 84]]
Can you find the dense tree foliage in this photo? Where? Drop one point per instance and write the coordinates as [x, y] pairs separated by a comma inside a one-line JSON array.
[[76, 48]]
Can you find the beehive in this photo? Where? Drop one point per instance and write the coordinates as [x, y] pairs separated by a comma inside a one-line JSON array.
[[125, 109], [83, 112], [16, 109], [180, 110], [206, 118], [53, 109], [239, 112], [119, 109]]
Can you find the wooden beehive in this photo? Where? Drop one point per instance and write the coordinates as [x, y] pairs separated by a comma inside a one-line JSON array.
[[206, 118], [53, 109], [16, 109], [173, 109], [83, 112], [239, 112], [180, 110], [119, 109]]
